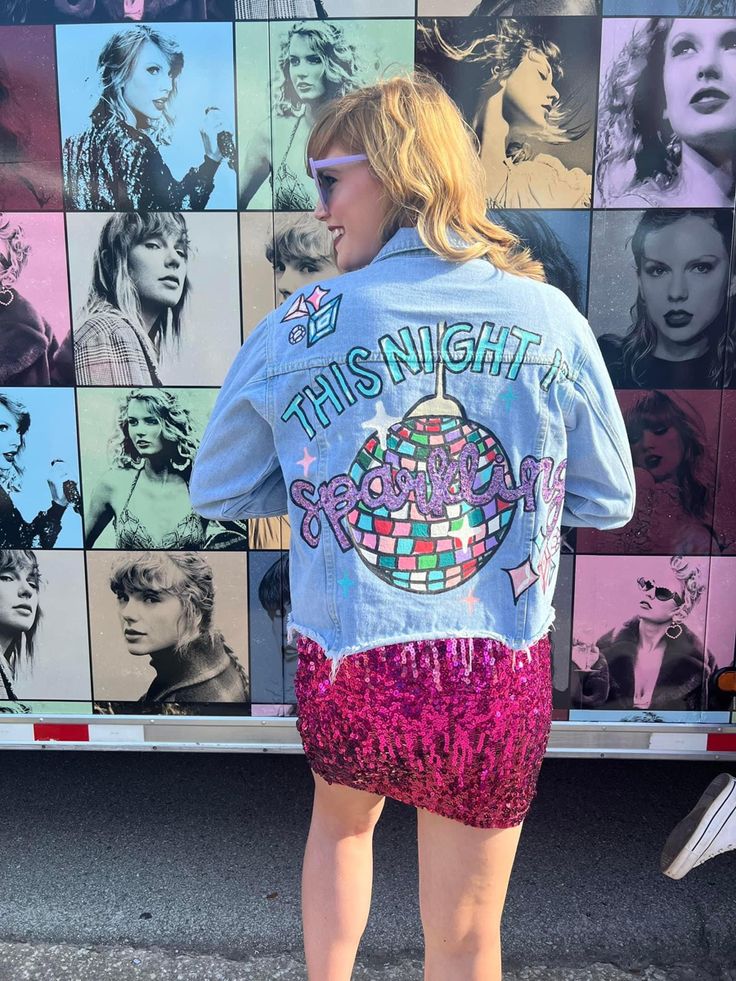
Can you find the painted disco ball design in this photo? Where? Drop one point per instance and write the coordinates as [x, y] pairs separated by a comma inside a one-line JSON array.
[[422, 553]]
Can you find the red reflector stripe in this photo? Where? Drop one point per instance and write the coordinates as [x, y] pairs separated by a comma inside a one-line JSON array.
[[63, 732], [722, 742]]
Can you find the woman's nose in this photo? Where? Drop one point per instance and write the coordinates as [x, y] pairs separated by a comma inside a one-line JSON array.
[[678, 287], [24, 589], [173, 258], [321, 211]]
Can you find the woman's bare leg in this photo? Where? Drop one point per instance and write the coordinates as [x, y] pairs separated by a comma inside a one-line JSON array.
[[463, 877], [337, 878]]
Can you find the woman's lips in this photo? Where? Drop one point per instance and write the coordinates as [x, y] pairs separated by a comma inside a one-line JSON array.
[[709, 100], [678, 318], [24, 608]]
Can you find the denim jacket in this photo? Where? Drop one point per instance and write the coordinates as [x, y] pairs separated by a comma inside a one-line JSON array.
[[428, 425]]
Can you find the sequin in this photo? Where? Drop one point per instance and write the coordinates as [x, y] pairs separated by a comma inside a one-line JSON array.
[[457, 727]]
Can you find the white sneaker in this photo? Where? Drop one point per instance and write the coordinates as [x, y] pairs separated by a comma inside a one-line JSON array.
[[708, 830]]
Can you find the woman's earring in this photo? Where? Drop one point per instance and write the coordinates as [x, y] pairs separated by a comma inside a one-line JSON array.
[[673, 149], [674, 626]]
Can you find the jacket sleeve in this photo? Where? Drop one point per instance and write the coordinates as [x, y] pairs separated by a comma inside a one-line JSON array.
[[599, 487], [237, 472]]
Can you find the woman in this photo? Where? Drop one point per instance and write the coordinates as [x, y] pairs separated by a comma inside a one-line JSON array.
[[166, 608], [31, 353], [316, 64], [300, 252], [136, 301], [43, 530], [681, 334], [423, 668], [653, 661], [667, 122], [519, 103], [146, 493], [115, 164], [674, 478], [20, 614]]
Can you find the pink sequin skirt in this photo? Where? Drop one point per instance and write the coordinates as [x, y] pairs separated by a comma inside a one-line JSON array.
[[457, 727]]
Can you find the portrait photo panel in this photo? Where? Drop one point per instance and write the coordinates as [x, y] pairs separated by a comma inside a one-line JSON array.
[[30, 161], [138, 446], [44, 665], [527, 87], [40, 504], [175, 298], [660, 296], [170, 633], [507, 8], [34, 300], [673, 437], [312, 62], [638, 644], [669, 8], [273, 659], [322, 9], [559, 240], [660, 117], [162, 137], [725, 507], [281, 253]]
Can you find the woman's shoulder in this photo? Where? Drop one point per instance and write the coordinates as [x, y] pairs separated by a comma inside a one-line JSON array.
[[103, 322]]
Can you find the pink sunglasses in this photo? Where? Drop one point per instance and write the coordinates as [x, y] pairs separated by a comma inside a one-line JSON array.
[[323, 189]]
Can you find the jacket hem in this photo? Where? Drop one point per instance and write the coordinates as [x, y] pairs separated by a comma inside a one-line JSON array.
[[336, 656]]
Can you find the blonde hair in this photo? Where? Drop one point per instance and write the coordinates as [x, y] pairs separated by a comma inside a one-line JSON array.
[[426, 157]]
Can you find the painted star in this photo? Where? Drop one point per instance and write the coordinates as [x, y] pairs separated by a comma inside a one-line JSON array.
[[297, 309], [465, 534], [471, 601], [538, 540], [316, 296], [522, 577], [380, 424], [306, 461], [345, 584], [508, 397]]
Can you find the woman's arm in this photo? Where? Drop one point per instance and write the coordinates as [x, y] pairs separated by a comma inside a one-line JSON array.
[[237, 472], [599, 481], [100, 512], [152, 186], [256, 165]]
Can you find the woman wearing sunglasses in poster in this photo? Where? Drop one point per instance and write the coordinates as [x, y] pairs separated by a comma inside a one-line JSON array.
[[652, 661], [395, 412]]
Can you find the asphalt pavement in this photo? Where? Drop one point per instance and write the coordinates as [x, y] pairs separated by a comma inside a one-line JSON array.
[[152, 856]]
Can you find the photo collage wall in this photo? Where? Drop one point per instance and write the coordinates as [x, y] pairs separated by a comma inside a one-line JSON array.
[[154, 207]]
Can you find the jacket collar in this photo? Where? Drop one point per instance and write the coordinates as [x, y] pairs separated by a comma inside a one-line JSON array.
[[404, 240]]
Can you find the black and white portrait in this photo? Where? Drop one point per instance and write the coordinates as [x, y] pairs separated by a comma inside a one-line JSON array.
[[40, 502], [30, 159], [312, 62], [639, 636], [557, 239], [666, 113], [34, 301], [138, 448], [507, 8], [673, 438], [147, 117], [526, 86], [155, 297], [170, 632], [281, 253], [321, 9], [273, 657], [44, 647], [661, 297]]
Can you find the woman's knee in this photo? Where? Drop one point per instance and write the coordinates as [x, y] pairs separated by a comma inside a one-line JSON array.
[[344, 812]]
